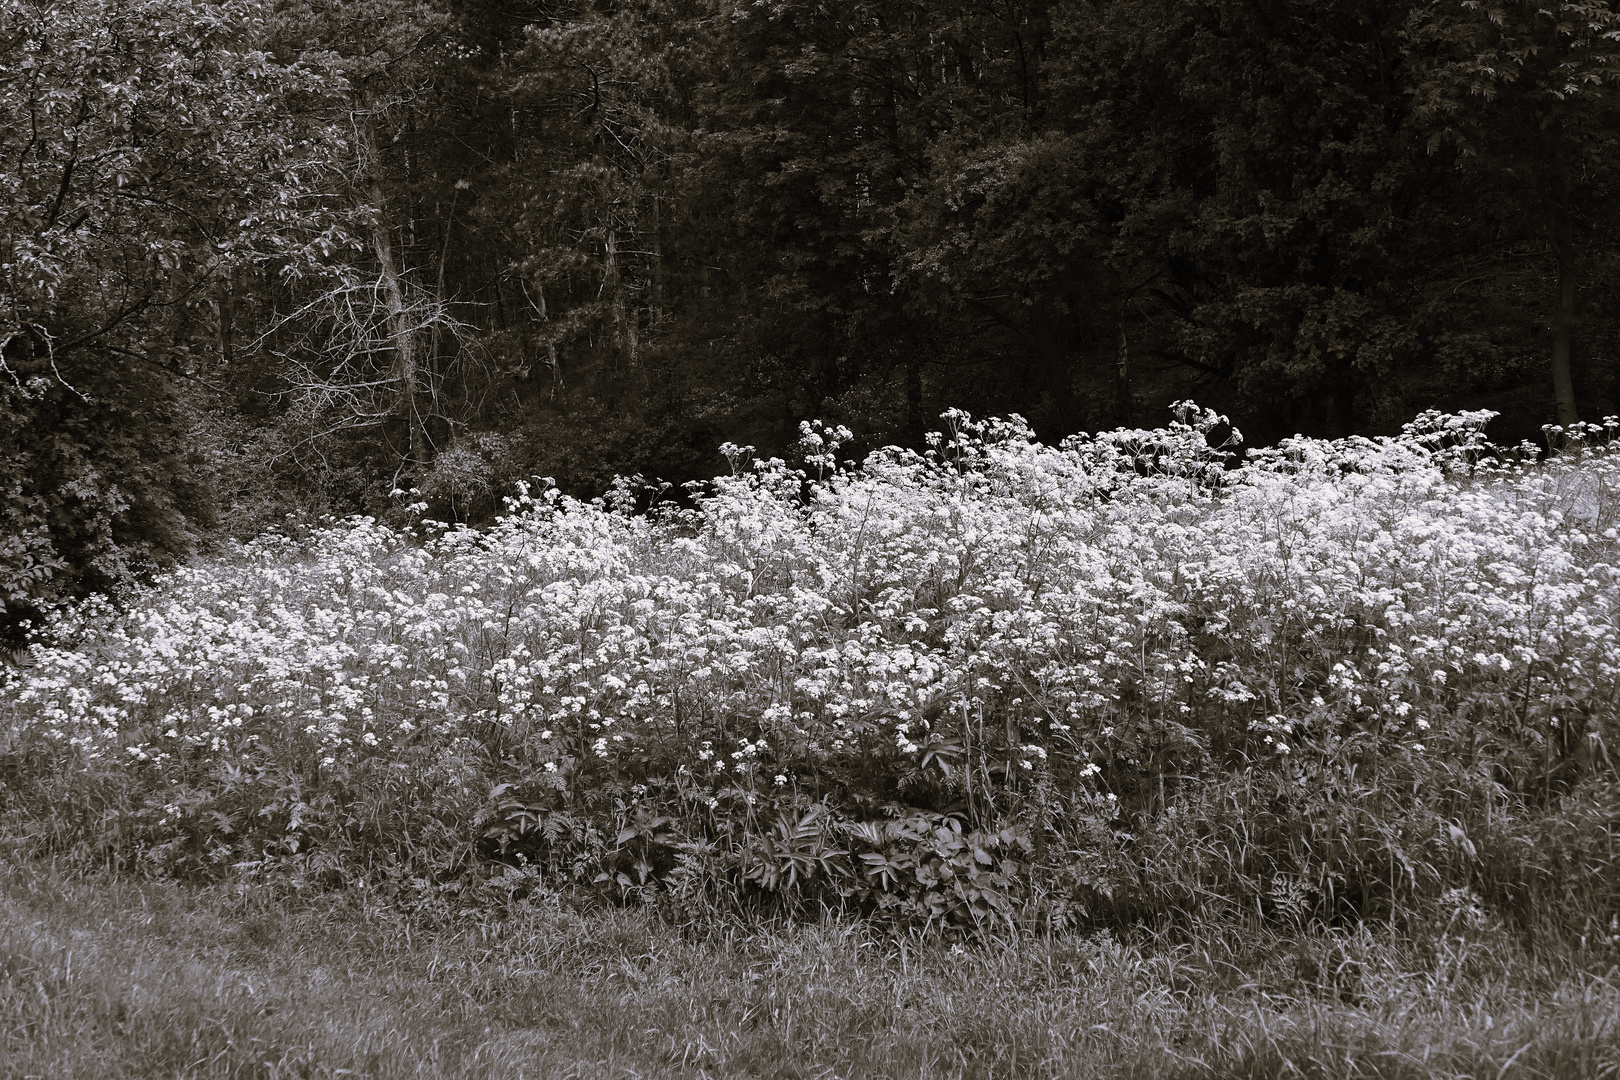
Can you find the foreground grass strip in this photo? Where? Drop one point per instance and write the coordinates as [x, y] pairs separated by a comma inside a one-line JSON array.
[[113, 978]]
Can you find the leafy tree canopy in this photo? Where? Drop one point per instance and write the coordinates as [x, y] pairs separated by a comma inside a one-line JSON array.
[[148, 152], [269, 258]]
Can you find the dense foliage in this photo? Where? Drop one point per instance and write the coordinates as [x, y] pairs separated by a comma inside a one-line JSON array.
[[274, 256], [994, 681], [150, 154]]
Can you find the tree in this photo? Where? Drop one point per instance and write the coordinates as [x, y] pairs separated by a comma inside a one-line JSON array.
[[357, 346], [1521, 89], [148, 158]]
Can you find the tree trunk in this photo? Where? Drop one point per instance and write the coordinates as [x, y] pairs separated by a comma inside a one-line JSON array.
[[1563, 244], [1125, 400], [225, 303], [432, 358], [624, 319], [914, 398], [1563, 333], [401, 334], [657, 263]]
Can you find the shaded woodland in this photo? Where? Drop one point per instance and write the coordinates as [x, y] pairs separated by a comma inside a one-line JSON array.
[[262, 258]]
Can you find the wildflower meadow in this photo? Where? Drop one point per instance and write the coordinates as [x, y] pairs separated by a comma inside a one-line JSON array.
[[1141, 678]]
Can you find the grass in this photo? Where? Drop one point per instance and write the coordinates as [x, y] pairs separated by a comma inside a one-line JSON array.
[[104, 976]]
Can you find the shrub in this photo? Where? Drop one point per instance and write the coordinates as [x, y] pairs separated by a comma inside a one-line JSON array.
[[1126, 678]]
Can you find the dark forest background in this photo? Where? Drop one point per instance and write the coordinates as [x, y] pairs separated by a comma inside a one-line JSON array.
[[267, 258]]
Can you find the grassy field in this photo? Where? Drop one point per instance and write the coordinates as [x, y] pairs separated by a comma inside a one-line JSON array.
[[104, 977]]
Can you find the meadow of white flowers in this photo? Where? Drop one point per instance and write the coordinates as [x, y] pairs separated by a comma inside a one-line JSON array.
[[998, 680]]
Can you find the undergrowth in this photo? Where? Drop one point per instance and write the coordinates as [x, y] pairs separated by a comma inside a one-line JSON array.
[[1129, 683]]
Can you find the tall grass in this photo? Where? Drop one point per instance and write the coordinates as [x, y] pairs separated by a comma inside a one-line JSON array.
[[105, 976], [997, 687]]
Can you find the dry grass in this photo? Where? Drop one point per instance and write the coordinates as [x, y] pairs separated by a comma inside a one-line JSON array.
[[103, 977]]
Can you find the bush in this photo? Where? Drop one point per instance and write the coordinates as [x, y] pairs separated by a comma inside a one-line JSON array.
[[1127, 678]]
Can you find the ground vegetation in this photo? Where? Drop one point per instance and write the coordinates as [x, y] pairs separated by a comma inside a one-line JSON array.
[[1323, 738]]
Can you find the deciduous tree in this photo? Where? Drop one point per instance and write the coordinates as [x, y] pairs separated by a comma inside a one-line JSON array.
[[150, 155]]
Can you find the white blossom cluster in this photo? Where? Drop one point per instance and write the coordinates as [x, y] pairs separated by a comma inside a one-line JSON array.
[[1108, 607]]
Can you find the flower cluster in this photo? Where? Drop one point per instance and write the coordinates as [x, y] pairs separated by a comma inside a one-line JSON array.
[[992, 630]]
